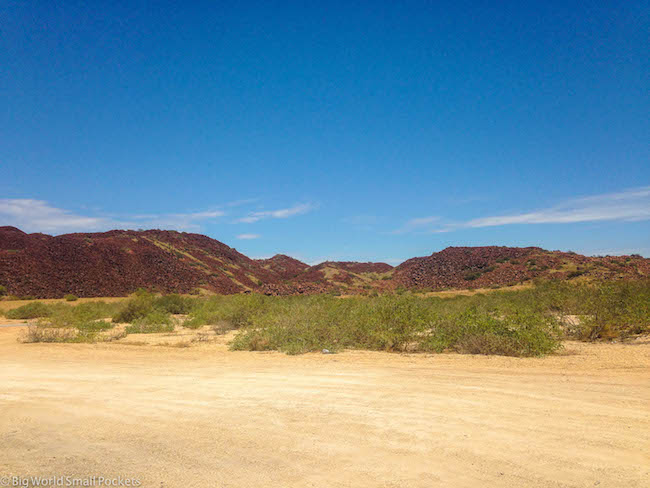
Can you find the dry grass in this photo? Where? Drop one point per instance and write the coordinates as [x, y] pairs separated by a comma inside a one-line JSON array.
[[6, 305]]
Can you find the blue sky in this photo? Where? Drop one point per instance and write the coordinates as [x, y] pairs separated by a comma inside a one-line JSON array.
[[340, 130]]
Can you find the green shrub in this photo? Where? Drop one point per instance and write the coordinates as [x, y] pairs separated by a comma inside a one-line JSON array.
[[94, 326], [68, 316], [30, 311], [3, 290], [238, 310], [154, 322], [174, 304], [135, 308], [472, 275], [575, 274], [71, 298]]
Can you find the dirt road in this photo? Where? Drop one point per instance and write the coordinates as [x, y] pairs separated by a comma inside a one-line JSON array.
[[206, 417]]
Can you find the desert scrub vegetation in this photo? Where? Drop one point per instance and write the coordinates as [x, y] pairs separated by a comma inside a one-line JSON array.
[[83, 333], [155, 321], [525, 322], [229, 312], [145, 303], [59, 322], [403, 323], [33, 310], [528, 322]]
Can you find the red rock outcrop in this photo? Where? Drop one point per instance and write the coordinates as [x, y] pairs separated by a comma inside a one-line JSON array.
[[118, 262]]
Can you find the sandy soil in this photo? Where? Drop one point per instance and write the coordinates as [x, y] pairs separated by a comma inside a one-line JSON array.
[[205, 417]]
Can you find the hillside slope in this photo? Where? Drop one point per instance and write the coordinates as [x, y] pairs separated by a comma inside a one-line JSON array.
[[118, 262], [285, 267], [345, 277], [479, 267]]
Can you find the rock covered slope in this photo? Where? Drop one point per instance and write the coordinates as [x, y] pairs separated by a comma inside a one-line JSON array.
[[478, 267], [283, 266], [335, 276], [118, 262]]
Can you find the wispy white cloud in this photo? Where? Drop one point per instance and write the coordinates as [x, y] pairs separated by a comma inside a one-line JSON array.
[[629, 205], [625, 206], [417, 224], [248, 236], [191, 221], [39, 216], [239, 203], [282, 213]]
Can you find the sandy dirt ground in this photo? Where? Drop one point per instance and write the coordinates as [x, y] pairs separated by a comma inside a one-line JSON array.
[[202, 416]]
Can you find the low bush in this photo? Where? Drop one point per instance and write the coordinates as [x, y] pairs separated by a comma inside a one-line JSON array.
[[71, 298], [155, 321], [72, 316], [42, 334], [238, 310], [30, 311], [86, 333], [174, 304], [135, 308], [472, 275], [95, 326], [140, 328]]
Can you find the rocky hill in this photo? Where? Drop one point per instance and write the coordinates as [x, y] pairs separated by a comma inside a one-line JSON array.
[[118, 262], [345, 277], [479, 267], [283, 266]]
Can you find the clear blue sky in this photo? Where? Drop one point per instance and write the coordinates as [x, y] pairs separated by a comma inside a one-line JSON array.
[[341, 130]]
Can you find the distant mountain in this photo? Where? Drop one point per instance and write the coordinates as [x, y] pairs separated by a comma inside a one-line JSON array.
[[118, 262]]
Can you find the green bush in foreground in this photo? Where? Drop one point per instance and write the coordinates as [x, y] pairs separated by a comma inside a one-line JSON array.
[[71, 298]]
